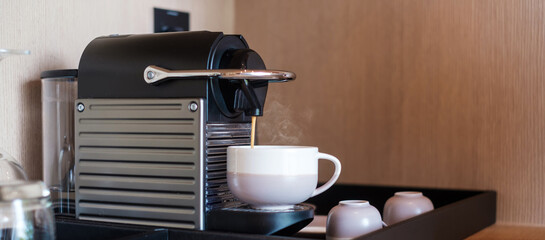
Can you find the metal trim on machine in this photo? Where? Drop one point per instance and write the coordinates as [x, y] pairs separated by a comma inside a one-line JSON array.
[[155, 75]]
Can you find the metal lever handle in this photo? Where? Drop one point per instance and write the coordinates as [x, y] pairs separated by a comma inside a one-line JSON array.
[[155, 75]]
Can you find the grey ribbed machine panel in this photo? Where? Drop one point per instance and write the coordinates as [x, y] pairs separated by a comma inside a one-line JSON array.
[[218, 138], [140, 161]]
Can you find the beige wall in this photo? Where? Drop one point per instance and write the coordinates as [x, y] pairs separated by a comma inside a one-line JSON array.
[[417, 93], [56, 32]]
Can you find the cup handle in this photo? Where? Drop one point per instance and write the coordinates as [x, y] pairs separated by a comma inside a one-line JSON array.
[[333, 178]]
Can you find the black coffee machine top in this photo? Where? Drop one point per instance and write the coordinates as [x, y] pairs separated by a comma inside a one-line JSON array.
[[154, 116], [174, 65]]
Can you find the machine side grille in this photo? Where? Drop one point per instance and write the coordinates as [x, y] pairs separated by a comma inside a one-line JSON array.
[[218, 138], [138, 162]]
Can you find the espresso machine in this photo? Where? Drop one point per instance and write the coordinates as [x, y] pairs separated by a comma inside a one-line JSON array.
[[154, 116]]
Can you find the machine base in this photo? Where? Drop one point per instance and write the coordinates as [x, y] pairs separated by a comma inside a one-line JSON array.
[[269, 222]]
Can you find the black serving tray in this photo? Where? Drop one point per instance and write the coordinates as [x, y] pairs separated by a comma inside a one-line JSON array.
[[457, 215]]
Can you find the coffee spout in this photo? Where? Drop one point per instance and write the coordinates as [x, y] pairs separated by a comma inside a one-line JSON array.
[[255, 108]]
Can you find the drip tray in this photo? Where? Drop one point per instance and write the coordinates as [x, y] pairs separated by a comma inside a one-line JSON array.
[[457, 215], [269, 222]]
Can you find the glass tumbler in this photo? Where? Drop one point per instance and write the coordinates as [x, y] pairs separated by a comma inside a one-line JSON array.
[[10, 169], [25, 211], [58, 96]]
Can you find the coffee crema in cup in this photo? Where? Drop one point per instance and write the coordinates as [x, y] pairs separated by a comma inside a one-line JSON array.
[[276, 177]]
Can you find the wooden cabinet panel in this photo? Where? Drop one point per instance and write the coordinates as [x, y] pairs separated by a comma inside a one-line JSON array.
[[417, 93]]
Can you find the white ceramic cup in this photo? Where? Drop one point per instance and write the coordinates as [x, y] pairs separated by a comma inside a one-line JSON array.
[[276, 177], [405, 205], [351, 219]]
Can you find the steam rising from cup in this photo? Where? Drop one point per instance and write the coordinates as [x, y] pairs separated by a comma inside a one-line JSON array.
[[282, 125]]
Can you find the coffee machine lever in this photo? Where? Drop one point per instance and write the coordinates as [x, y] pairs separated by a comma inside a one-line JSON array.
[[154, 75]]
